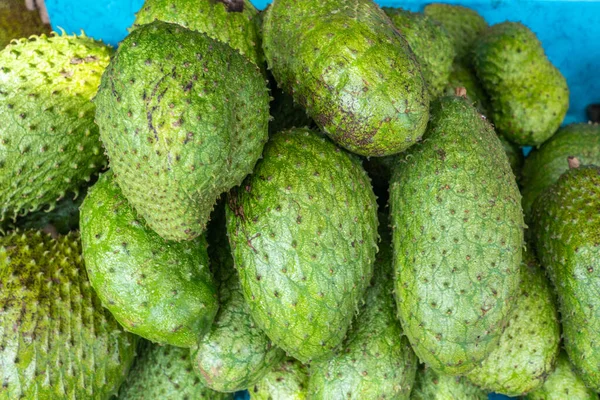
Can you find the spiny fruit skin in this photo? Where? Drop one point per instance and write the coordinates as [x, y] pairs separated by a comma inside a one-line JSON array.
[[566, 230], [288, 381], [514, 155], [49, 143], [229, 21], [431, 44], [56, 340], [160, 290], [458, 233], [165, 373], [303, 231], [375, 360], [433, 386], [463, 24], [235, 354], [529, 96], [16, 22], [351, 69], [177, 129], [563, 384], [530, 343], [545, 165], [462, 76]]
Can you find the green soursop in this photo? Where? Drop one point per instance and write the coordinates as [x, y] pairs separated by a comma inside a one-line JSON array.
[[286, 381], [16, 22], [160, 290], [178, 130], [529, 96], [56, 339], [49, 144], [515, 156], [462, 76], [458, 232], [433, 386], [351, 69], [566, 230], [303, 231]]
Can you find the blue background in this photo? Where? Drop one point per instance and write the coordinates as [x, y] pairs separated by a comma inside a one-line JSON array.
[[569, 31]]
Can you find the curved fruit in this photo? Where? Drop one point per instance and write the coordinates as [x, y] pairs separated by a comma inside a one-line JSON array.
[[303, 231], [160, 290], [49, 143], [433, 386], [16, 22], [565, 226], [461, 76], [375, 361], [235, 354], [178, 131], [515, 156], [458, 232], [528, 95], [56, 340], [165, 373], [530, 343], [352, 71], [285, 381]]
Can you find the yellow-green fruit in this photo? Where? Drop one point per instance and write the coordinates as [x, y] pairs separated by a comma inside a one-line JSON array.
[[433, 386], [286, 381]]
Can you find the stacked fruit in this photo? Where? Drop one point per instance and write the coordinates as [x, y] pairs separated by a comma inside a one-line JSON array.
[[171, 231]]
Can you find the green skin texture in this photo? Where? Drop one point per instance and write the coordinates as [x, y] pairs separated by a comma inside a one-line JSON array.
[[288, 381], [177, 129], [351, 69], [49, 143], [160, 290], [462, 24], [229, 21], [563, 384], [165, 373], [463, 76], [433, 386], [529, 96], [515, 156], [545, 165], [530, 343], [303, 231], [375, 360], [16, 22], [458, 233], [431, 44], [56, 339], [235, 354], [566, 229]]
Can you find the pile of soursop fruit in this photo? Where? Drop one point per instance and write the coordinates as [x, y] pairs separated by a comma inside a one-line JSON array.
[[324, 200]]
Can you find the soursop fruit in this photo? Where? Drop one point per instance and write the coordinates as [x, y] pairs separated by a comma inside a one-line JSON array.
[[458, 232], [177, 129], [160, 290], [49, 144], [235, 354], [515, 156], [433, 386], [229, 21], [16, 22], [563, 383], [165, 373], [56, 339], [565, 226], [462, 76], [545, 165], [287, 380], [375, 361], [530, 343], [326, 52], [529, 96], [431, 44], [303, 231]]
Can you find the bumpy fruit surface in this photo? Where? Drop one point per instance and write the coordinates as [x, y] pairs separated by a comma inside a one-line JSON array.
[[462, 76], [235, 354], [229, 21], [303, 231], [165, 373], [49, 143], [514, 155], [530, 343], [285, 381], [17, 22], [56, 339], [375, 361], [529, 96], [431, 44], [160, 290], [177, 129], [458, 232], [433, 386], [346, 63], [566, 229]]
